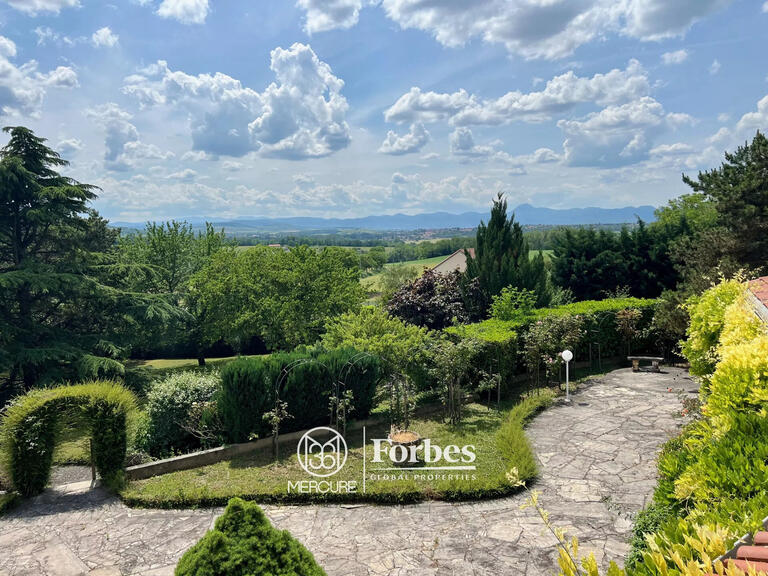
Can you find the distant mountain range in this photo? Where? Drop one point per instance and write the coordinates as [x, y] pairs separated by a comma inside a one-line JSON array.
[[525, 214]]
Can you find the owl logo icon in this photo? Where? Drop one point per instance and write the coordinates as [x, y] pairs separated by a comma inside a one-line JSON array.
[[322, 452]]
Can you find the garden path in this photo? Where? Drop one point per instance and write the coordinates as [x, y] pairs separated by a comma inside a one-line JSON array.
[[597, 470]]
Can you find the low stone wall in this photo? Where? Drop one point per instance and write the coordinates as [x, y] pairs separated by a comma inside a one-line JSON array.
[[206, 457]]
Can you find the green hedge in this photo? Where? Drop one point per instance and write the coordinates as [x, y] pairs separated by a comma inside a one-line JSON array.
[[504, 338], [247, 389], [244, 543], [498, 346], [31, 424]]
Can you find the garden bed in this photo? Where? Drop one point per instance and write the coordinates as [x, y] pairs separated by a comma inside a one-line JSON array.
[[498, 437]]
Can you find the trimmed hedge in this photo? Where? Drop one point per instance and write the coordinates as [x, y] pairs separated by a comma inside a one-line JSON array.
[[247, 389], [244, 543], [502, 339], [498, 346], [30, 428]]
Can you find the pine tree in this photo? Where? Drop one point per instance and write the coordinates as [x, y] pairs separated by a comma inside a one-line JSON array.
[[57, 318], [739, 192], [502, 258]]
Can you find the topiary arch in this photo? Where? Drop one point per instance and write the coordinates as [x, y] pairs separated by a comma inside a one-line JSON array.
[[29, 430]]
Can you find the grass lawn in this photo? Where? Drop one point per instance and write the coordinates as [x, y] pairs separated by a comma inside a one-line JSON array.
[[497, 436], [164, 363]]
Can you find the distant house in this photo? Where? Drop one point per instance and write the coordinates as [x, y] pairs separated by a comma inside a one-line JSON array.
[[456, 261], [758, 297]]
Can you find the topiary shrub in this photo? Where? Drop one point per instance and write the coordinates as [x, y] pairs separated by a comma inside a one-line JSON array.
[[244, 543], [169, 404], [31, 424]]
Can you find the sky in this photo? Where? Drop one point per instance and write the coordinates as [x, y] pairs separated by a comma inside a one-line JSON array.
[[340, 108]]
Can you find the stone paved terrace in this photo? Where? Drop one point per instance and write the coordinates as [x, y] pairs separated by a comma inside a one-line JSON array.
[[597, 470]]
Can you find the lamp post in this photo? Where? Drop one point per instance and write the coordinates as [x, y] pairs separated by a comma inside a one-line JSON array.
[[567, 355]]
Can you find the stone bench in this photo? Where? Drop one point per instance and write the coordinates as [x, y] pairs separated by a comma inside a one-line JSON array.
[[654, 360]]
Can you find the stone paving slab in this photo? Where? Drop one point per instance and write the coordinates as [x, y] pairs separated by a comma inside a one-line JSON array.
[[597, 460]]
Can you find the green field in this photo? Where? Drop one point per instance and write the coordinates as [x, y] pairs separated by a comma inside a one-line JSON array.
[[370, 283]]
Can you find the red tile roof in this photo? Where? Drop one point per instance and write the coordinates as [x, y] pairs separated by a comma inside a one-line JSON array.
[[745, 554], [759, 287]]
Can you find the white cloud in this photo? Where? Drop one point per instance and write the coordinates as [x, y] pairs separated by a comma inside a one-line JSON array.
[[301, 115], [23, 88], [323, 15], [669, 149], [185, 11], [69, 146], [463, 144], [46, 35], [658, 19], [413, 141], [765, 7], [547, 29], [34, 7], [757, 120], [723, 117], [676, 57], [560, 94], [195, 156], [123, 146], [714, 68], [104, 37], [186, 175], [617, 135]]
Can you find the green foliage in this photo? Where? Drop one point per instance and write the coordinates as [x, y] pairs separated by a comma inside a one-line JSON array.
[[707, 317], [502, 258], [170, 403], [244, 543], [393, 278], [547, 338], [738, 190], [403, 348], [31, 424], [434, 300], [497, 343], [730, 466], [740, 383], [248, 389], [649, 520], [592, 262], [283, 298], [56, 303], [513, 304]]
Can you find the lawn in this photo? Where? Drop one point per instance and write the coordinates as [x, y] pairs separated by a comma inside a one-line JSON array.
[[497, 436], [166, 363]]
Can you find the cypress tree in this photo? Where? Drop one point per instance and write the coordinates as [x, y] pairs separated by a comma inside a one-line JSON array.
[[502, 258]]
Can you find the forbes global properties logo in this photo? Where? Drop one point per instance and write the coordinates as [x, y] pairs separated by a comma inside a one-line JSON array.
[[322, 452]]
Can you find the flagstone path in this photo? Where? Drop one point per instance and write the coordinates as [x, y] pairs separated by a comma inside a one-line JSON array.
[[597, 470]]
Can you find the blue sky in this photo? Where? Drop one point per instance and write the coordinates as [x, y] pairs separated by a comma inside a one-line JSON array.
[[181, 108]]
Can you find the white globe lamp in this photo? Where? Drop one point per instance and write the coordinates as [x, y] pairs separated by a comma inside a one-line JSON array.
[[567, 355]]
